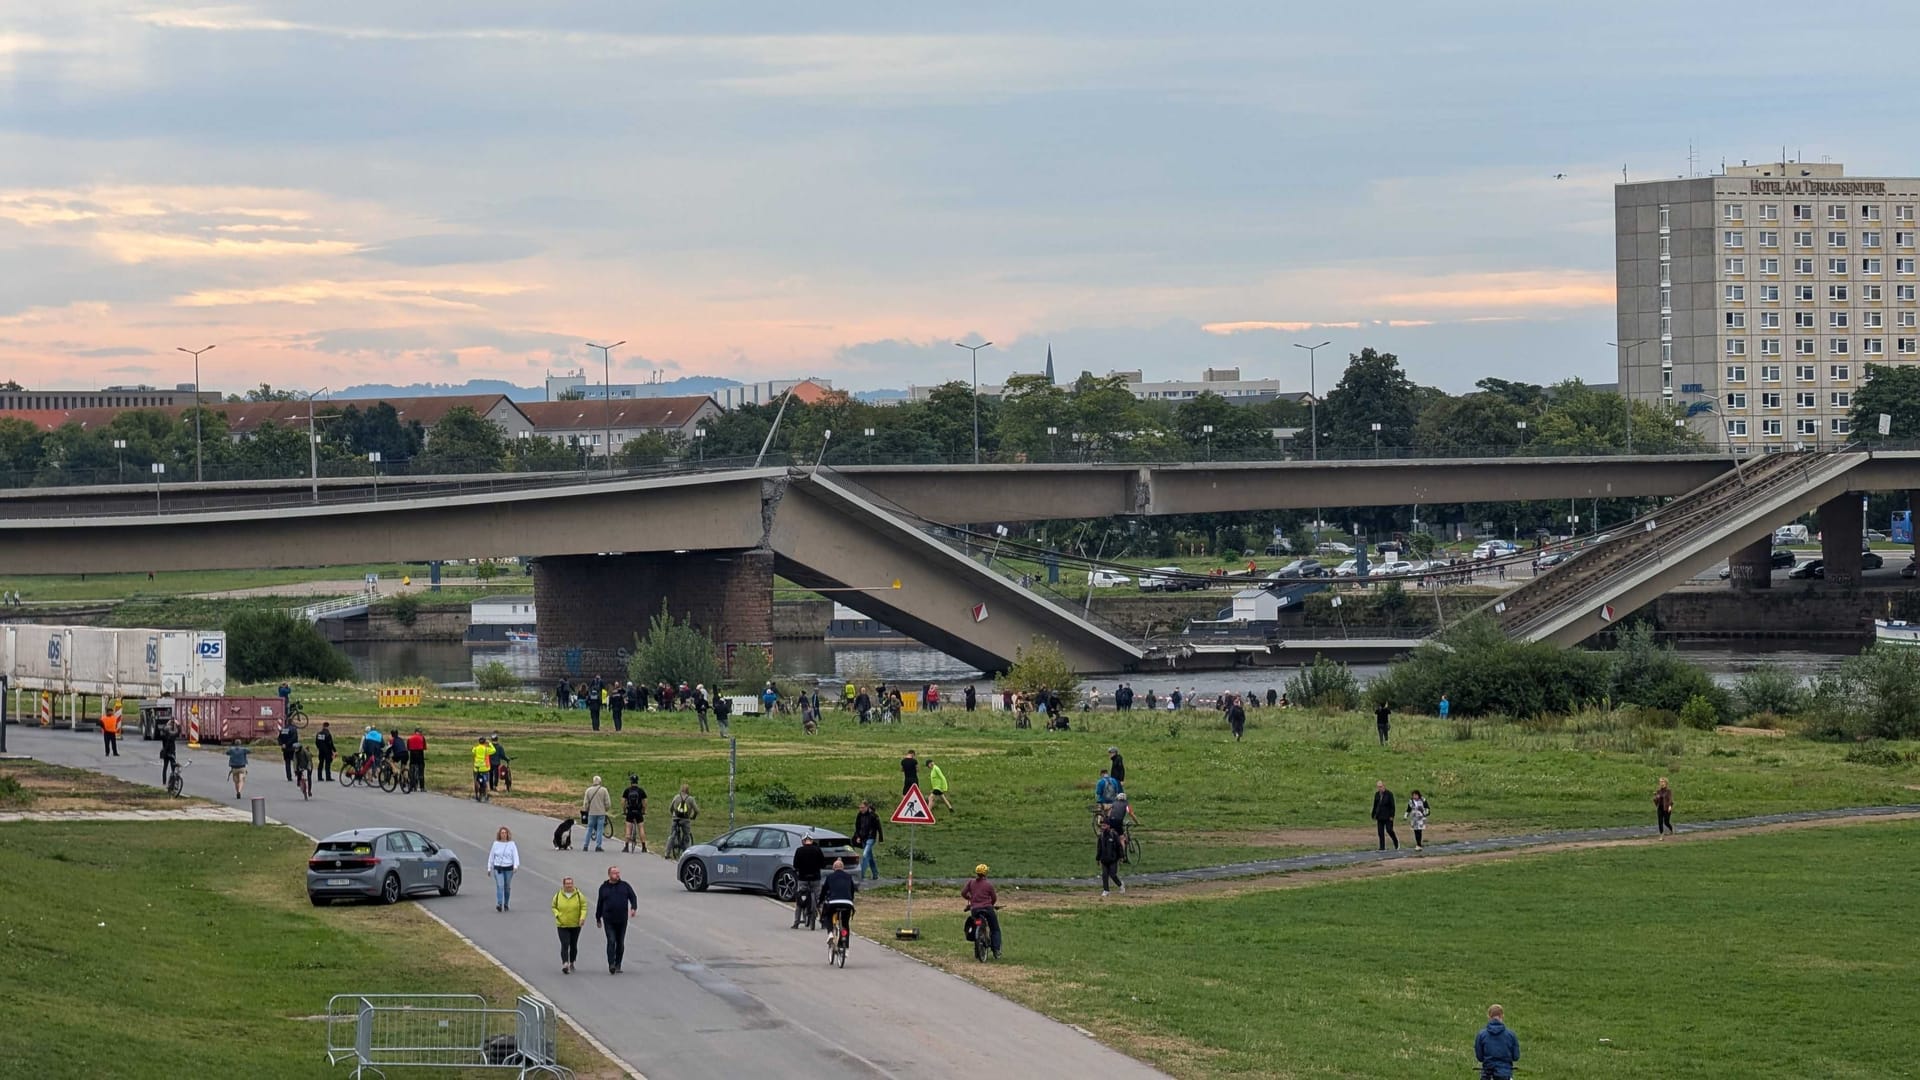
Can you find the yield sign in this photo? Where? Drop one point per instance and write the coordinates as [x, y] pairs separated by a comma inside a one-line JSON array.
[[913, 809]]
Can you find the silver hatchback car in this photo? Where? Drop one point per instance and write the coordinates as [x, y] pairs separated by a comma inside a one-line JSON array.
[[382, 864], [759, 857]]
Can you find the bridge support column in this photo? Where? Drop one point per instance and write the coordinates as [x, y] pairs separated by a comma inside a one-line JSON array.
[[590, 608], [1841, 531], [1913, 519], [1752, 566]]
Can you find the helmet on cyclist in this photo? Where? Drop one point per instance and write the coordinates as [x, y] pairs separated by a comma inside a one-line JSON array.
[[981, 870], [633, 778], [1119, 796]]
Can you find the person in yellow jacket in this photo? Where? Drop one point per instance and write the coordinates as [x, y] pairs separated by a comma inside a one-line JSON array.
[[569, 912], [482, 764], [938, 780]]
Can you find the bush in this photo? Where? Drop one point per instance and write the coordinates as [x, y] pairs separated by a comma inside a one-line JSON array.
[[1324, 685], [779, 797], [265, 645], [1770, 689], [1484, 673], [405, 609], [494, 675], [1875, 694], [752, 670], [1648, 673], [1040, 666], [13, 793], [486, 571], [1699, 713], [673, 652], [1879, 753]]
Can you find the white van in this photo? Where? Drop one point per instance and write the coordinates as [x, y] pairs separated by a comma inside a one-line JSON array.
[[1789, 534], [1107, 579]]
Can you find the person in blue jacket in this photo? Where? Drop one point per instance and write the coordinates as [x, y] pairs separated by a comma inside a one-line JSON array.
[[1446, 707], [1496, 1048]]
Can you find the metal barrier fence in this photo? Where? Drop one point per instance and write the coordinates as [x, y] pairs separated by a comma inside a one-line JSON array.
[[377, 1032]]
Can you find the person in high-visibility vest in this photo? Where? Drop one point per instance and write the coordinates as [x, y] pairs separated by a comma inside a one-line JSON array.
[[110, 729]]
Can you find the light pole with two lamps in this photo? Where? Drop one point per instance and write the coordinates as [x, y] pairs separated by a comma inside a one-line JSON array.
[[606, 392], [1207, 430], [313, 443], [868, 432], [975, 350], [1376, 438], [1626, 384], [1313, 396], [195, 353], [120, 457]]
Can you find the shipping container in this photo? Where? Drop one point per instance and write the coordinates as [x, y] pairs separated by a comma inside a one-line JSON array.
[[221, 719], [128, 664]]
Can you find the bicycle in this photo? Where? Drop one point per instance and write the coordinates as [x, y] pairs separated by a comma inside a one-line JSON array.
[[296, 714], [175, 782], [837, 941], [388, 775], [1131, 851], [682, 837], [480, 792], [981, 933]]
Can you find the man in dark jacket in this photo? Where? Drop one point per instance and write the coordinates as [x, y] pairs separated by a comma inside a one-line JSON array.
[[593, 701], [288, 739], [909, 772], [1383, 721], [633, 802], [967, 696], [169, 749], [1496, 1048], [323, 748], [617, 703], [1118, 768], [867, 833], [1107, 852], [808, 861], [1237, 719], [837, 891], [1383, 811], [615, 905]]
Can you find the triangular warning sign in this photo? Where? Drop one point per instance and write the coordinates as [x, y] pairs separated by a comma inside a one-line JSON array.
[[913, 809]]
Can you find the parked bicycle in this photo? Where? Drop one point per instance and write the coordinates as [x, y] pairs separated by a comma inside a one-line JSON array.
[[174, 780], [296, 713]]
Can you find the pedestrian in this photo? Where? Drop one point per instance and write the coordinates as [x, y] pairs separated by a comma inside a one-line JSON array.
[[617, 703], [1273, 698], [847, 693], [482, 766], [237, 768], [1107, 851], [1117, 767], [288, 738], [1417, 811], [722, 712], [1383, 721], [1446, 707], [1153, 701], [909, 772], [1663, 807], [417, 758], [1237, 720], [1383, 815], [636, 698], [967, 697], [1495, 1048], [562, 695], [1104, 789], [1175, 698], [286, 699], [615, 905], [110, 731], [595, 804], [596, 693], [323, 747], [633, 801], [867, 833], [497, 764], [569, 912], [502, 861], [938, 781], [700, 706], [808, 862], [169, 749], [863, 707]]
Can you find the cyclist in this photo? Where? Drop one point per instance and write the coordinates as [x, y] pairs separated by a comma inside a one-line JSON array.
[[634, 803], [837, 890], [683, 809], [807, 861], [981, 900], [371, 743], [482, 757], [169, 750], [303, 767], [1120, 813]]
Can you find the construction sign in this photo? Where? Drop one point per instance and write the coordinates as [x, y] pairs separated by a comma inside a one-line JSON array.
[[913, 809]]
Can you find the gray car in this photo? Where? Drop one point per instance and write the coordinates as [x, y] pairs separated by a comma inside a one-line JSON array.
[[380, 864], [758, 857]]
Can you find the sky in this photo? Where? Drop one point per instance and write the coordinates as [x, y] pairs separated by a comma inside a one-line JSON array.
[[345, 192]]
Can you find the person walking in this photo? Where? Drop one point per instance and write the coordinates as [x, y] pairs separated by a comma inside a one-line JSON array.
[[937, 783], [502, 861], [1117, 768], [324, 749], [569, 912], [1417, 811], [1104, 789], [633, 802], [867, 833], [968, 698], [808, 862], [617, 704], [1663, 808], [1108, 850], [1383, 721], [1273, 698], [596, 694], [909, 772], [562, 695], [1383, 815], [497, 761], [615, 905], [1446, 707], [169, 749], [288, 738], [595, 803], [722, 712], [110, 731], [1237, 719], [700, 706], [1496, 1048], [237, 768], [417, 758]]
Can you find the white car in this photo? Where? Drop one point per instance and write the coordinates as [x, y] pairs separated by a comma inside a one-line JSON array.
[[1397, 566], [1350, 568], [1106, 579], [1493, 549], [1333, 547]]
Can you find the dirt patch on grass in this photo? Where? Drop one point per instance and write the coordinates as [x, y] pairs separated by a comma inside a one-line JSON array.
[[39, 786], [1321, 839], [1768, 733]]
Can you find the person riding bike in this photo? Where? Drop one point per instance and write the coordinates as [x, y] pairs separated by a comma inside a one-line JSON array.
[[633, 804], [982, 900], [169, 750], [303, 764], [1120, 813], [482, 763], [682, 810], [837, 890], [808, 860]]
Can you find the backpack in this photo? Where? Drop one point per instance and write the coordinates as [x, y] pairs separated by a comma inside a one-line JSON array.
[[634, 797]]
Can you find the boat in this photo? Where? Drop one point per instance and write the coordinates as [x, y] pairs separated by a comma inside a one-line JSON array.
[[522, 637], [1896, 632]]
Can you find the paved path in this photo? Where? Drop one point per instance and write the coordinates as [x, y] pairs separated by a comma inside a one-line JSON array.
[[1327, 859], [185, 813], [715, 986]]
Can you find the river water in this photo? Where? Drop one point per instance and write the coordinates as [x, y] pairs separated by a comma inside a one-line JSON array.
[[455, 663]]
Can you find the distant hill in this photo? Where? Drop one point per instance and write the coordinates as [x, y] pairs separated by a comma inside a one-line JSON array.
[[872, 397], [691, 384]]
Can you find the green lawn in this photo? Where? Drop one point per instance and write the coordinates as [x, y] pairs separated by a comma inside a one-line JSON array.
[[167, 949], [1784, 955], [1022, 796], [65, 587]]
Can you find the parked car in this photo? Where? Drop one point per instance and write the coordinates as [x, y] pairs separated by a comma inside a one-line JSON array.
[[1333, 547], [1875, 536], [1300, 568], [380, 864], [1911, 569], [1350, 568], [1160, 579], [1789, 534], [1782, 559], [1551, 559], [1872, 560], [1394, 566], [758, 858], [1280, 546], [1107, 579], [1493, 549]]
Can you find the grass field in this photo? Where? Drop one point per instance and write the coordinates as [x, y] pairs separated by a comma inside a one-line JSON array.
[[1782, 955], [167, 949], [42, 588], [1300, 780]]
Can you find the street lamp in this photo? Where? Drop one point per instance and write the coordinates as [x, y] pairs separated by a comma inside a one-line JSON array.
[[1313, 394], [700, 441], [1626, 384], [195, 353], [374, 457], [606, 392], [975, 350], [119, 458], [1207, 430], [868, 432], [1376, 439], [159, 470], [1053, 442], [313, 444]]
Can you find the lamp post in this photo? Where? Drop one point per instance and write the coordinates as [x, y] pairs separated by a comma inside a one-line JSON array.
[[159, 470], [374, 457], [195, 353], [606, 392], [313, 444], [1313, 395], [868, 432], [1626, 384], [1521, 427], [975, 350], [1376, 438], [120, 458], [1053, 442], [1207, 430], [700, 441]]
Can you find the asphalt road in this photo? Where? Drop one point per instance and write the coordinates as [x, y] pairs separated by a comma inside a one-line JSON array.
[[714, 984]]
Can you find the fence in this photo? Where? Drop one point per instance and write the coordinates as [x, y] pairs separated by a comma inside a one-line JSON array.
[[398, 697], [377, 1032]]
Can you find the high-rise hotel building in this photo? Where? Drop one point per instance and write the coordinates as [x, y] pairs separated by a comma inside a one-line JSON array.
[[1757, 298]]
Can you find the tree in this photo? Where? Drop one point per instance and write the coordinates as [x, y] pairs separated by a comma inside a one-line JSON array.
[[1470, 424], [464, 441], [1373, 390], [1040, 666], [1029, 407], [539, 453], [652, 447], [264, 644], [379, 430], [20, 449], [1891, 390], [947, 416], [274, 450], [263, 392], [1235, 428], [675, 652]]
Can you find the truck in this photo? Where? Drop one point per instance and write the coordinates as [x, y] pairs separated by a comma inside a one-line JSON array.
[[113, 663]]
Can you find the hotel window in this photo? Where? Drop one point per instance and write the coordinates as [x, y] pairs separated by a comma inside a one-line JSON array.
[[1769, 211], [1769, 372], [1802, 212], [1770, 294], [1836, 212], [1666, 246], [1840, 399], [1769, 238], [1903, 293], [1839, 373], [1666, 354], [1803, 346], [1903, 212], [1905, 345], [1666, 275], [1803, 293], [1736, 400], [1903, 239], [1736, 320], [1771, 347], [1806, 427], [1803, 267], [1836, 294], [1904, 319], [1837, 239], [1870, 267], [1733, 238], [1837, 267], [1803, 238], [1736, 294], [1840, 425], [1870, 238], [1770, 427], [1738, 265], [1870, 293], [1737, 373], [1903, 266], [1803, 399], [1873, 346], [1733, 212], [1869, 212], [1804, 373], [1666, 299], [1737, 428], [1839, 346], [1737, 347], [1836, 320], [1770, 266], [1872, 320], [1666, 217], [1666, 326], [1770, 320]]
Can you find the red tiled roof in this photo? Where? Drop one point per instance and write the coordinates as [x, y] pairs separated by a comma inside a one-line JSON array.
[[246, 416], [655, 412]]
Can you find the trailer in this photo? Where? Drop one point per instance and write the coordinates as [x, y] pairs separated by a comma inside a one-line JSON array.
[[129, 664], [216, 718]]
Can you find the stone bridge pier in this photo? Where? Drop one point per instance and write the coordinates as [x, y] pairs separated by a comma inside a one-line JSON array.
[[591, 608]]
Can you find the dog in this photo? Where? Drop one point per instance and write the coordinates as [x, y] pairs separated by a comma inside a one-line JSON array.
[[563, 835]]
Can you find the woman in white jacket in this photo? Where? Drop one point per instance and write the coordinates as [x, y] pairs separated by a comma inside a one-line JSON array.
[[1416, 817], [502, 861]]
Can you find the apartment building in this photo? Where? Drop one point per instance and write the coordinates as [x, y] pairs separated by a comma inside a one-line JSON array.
[[1751, 302]]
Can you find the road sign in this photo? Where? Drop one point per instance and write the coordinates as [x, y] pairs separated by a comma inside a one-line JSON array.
[[913, 809], [979, 613], [1606, 612]]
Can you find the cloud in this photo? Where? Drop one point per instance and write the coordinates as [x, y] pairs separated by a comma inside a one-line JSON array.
[[134, 247], [109, 351], [446, 249], [1531, 289], [420, 294]]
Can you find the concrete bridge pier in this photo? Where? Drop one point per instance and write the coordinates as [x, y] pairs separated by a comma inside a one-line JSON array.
[[1752, 566], [592, 607], [1841, 531]]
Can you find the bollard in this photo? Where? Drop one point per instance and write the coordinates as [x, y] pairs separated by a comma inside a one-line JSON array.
[[259, 809]]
